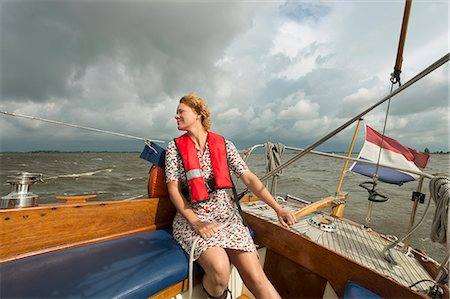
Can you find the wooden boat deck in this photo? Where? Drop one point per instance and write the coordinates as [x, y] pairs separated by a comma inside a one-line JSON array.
[[352, 241]]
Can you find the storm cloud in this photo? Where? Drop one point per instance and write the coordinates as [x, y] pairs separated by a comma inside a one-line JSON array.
[[280, 71]]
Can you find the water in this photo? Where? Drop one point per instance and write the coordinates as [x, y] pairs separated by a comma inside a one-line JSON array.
[[118, 176]]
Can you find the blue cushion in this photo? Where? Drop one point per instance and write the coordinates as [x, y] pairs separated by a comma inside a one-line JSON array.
[[355, 291], [136, 266]]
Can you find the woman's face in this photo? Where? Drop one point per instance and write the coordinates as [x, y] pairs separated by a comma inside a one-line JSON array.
[[186, 117]]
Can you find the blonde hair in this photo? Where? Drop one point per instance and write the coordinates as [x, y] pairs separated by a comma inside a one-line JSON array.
[[199, 106]]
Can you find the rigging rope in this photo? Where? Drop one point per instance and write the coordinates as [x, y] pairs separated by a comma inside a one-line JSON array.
[[146, 140], [395, 76], [273, 160], [273, 156], [375, 176], [440, 192]]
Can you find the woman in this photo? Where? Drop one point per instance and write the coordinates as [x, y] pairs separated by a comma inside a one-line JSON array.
[[198, 160]]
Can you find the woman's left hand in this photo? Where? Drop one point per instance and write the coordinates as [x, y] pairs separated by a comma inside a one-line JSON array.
[[286, 218]]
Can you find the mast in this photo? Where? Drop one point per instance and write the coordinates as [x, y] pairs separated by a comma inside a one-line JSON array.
[[395, 76]]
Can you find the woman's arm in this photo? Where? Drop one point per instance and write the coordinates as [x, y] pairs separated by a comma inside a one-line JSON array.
[[204, 229], [257, 187]]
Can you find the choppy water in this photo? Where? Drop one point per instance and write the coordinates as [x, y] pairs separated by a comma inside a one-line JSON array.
[[117, 176]]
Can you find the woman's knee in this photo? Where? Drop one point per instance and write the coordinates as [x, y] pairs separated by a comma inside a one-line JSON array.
[[220, 272], [216, 266]]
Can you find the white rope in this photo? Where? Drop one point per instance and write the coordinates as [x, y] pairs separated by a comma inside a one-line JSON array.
[[147, 140], [273, 160], [191, 254], [440, 192], [273, 156]]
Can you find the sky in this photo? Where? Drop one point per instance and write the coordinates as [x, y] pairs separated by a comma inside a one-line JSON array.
[[279, 71]]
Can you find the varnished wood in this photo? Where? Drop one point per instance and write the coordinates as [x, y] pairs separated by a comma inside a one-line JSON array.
[[177, 288], [76, 199], [292, 280], [28, 231], [338, 211], [249, 198], [330, 265], [320, 204], [172, 291]]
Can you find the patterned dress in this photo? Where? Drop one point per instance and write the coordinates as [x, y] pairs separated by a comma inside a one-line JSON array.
[[215, 210]]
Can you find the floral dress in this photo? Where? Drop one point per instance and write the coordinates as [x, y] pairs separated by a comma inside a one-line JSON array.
[[215, 210]]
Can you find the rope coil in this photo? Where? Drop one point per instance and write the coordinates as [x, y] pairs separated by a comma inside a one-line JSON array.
[[440, 192]]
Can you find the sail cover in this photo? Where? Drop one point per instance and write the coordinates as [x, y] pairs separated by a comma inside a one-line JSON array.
[[393, 153]]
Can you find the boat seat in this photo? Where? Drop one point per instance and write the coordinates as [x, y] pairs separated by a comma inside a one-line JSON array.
[[355, 291], [136, 266]]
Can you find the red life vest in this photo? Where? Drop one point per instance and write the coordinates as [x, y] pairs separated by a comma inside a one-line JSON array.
[[217, 151]]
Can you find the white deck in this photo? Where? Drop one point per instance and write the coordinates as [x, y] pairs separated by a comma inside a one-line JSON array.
[[352, 241]]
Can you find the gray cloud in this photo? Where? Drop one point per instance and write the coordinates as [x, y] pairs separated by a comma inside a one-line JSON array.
[[281, 71], [47, 46]]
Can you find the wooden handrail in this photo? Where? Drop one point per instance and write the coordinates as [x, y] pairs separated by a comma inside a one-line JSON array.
[[323, 203]]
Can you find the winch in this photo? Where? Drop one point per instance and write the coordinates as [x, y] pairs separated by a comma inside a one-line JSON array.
[[20, 195], [324, 223]]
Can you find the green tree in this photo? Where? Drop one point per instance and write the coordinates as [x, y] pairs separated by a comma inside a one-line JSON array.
[[426, 150]]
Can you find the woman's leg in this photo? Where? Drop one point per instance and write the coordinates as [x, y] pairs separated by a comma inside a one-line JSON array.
[[216, 264], [252, 274]]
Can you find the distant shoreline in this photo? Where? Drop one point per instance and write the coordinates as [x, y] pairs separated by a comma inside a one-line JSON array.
[[72, 152], [137, 152]]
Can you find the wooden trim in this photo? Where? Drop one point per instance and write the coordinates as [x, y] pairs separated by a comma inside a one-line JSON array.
[[172, 291], [82, 243], [177, 288], [320, 204], [330, 265], [249, 198], [29, 231], [76, 199]]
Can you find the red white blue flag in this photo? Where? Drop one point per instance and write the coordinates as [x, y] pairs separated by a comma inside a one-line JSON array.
[[393, 153]]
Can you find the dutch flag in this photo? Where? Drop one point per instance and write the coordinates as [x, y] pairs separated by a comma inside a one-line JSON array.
[[393, 153]]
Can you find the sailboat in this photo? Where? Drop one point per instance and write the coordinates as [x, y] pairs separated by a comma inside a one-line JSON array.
[[82, 248]]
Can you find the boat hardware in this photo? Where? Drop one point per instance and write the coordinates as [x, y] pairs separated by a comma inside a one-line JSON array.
[[442, 276], [373, 194], [417, 196], [324, 223], [387, 250], [395, 76], [440, 192], [20, 195]]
